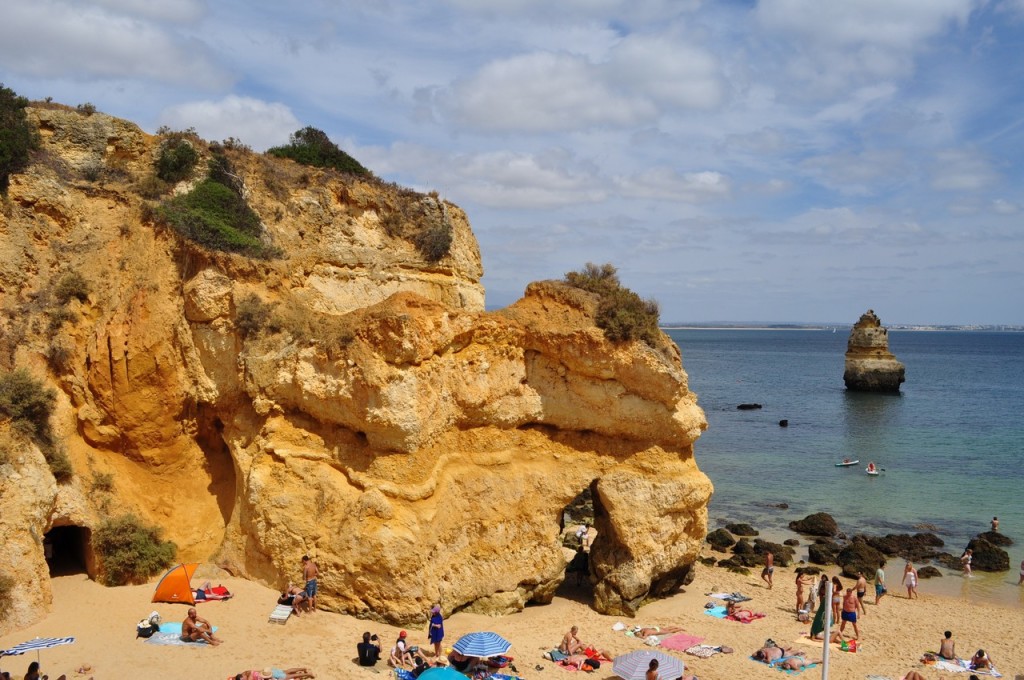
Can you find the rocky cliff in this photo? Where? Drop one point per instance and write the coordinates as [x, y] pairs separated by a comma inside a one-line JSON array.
[[349, 399], [870, 366]]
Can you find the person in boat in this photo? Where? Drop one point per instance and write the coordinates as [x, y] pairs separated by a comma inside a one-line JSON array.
[[846, 461], [871, 467]]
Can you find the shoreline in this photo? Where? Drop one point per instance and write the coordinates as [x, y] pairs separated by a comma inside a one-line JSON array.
[[894, 634]]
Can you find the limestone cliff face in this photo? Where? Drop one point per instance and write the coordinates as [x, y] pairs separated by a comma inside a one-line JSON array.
[[870, 366], [380, 421]]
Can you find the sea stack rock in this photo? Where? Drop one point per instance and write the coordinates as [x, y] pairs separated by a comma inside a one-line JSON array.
[[870, 366]]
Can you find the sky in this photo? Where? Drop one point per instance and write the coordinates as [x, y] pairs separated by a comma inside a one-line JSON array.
[[736, 160]]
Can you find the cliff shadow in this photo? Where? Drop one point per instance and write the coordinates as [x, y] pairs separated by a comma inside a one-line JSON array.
[[218, 462]]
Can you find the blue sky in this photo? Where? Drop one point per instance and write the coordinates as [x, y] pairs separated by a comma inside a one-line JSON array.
[[778, 160]]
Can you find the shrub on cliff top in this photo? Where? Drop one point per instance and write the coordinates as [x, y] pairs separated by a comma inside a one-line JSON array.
[[310, 146], [129, 551], [16, 137], [177, 158], [621, 314], [216, 216]]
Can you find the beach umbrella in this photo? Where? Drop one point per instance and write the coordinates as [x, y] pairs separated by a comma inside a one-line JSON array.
[[443, 673], [634, 665], [483, 644], [36, 645]]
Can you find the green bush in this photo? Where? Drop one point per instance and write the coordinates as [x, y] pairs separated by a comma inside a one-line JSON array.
[[621, 314], [27, 402], [129, 551], [177, 159], [102, 481], [218, 218], [310, 146], [152, 187], [86, 109], [71, 285], [57, 459], [435, 241], [252, 315], [16, 137], [61, 316]]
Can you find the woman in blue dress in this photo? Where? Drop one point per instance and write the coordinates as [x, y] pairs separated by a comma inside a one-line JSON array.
[[435, 631]]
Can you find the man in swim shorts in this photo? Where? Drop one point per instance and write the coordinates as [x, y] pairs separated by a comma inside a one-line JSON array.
[[862, 589], [880, 582], [769, 568], [849, 614], [309, 573]]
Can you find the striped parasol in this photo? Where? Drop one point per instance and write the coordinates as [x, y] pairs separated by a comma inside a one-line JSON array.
[[36, 645], [634, 665], [482, 645]]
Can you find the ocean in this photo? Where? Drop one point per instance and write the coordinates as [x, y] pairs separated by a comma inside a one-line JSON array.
[[951, 444]]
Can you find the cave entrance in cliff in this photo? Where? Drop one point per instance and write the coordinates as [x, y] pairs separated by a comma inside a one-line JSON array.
[[577, 531], [68, 550]]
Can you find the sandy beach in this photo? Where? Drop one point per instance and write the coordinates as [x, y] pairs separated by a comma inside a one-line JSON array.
[[894, 634]]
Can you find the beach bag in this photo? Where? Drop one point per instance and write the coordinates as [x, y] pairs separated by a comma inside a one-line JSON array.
[[145, 629]]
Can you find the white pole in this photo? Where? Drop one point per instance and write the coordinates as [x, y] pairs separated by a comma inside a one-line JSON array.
[[828, 631]]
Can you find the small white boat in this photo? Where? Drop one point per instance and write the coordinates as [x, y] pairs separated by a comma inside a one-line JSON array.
[[872, 470], [848, 463]]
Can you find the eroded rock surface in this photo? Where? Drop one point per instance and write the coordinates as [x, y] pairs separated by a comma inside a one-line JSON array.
[[870, 366], [379, 420]]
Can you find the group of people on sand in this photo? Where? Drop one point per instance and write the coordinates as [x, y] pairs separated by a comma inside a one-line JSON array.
[[845, 607], [981, 661], [411, 657]]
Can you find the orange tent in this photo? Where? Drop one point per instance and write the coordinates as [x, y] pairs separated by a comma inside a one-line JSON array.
[[176, 585]]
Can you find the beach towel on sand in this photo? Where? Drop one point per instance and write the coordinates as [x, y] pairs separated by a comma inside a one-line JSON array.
[[281, 613], [787, 671], [402, 674], [717, 612], [681, 641], [963, 666], [703, 651]]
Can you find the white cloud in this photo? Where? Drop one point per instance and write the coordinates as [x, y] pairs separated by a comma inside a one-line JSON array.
[[668, 184], [861, 173], [1001, 206], [51, 39], [183, 11], [962, 170], [641, 79], [543, 92], [256, 123], [896, 24]]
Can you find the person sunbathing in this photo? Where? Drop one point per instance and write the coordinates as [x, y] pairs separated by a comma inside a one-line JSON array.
[[195, 628], [296, 597], [582, 662], [276, 674], [795, 663], [732, 610], [773, 652], [981, 661], [648, 631], [913, 675]]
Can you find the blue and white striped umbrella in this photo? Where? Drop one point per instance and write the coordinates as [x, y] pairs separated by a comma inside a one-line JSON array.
[[36, 645], [482, 645], [634, 665]]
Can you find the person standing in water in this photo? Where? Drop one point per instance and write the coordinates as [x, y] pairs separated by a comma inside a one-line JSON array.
[[965, 560], [880, 582]]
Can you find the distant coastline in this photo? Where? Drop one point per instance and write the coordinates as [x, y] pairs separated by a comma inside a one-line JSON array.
[[845, 327]]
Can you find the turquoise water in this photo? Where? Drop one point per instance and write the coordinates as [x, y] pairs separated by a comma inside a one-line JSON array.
[[951, 444]]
